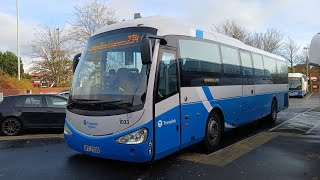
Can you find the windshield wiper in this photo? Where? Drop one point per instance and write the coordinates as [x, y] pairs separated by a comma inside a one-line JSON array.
[[89, 100], [120, 104], [117, 104], [81, 101]]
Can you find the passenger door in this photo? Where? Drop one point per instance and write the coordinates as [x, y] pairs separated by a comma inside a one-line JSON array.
[[56, 111], [167, 105], [31, 111], [248, 90], [259, 84]]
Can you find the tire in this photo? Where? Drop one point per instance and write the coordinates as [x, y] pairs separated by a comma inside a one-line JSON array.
[[10, 127], [213, 132], [274, 111]]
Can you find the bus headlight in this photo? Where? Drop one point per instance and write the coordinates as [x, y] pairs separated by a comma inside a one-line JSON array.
[[67, 131], [136, 137]]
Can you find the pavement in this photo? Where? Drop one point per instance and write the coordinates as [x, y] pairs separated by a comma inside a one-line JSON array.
[[290, 149]]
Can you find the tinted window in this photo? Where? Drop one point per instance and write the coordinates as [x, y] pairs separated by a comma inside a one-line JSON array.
[[56, 101], [270, 67], [258, 68], [200, 63], [247, 68], [29, 101], [168, 81], [282, 72], [231, 66]]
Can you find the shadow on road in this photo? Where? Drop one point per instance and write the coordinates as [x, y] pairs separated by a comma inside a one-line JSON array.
[[85, 165], [236, 135]]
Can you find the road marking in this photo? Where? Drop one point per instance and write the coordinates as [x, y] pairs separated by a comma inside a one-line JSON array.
[[290, 119], [228, 154], [29, 137], [231, 153], [309, 95], [310, 130]]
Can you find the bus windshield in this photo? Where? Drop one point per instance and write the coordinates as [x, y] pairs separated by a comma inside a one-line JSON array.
[[111, 71], [295, 84]]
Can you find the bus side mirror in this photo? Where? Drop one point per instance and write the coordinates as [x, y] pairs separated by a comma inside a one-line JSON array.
[[146, 50], [146, 47], [75, 62]]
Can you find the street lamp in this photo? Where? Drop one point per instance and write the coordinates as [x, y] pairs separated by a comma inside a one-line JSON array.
[[18, 50], [307, 63]]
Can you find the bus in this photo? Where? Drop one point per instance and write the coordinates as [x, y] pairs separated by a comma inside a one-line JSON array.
[[298, 84], [148, 87]]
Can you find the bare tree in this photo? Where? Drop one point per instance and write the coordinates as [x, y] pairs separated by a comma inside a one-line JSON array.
[[301, 58], [290, 51], [233, 29], [90, 17], [256, 40], [271, 40], [52, 50]]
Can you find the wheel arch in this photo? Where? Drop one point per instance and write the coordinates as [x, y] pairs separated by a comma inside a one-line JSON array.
[[218, 109], [274, 98]]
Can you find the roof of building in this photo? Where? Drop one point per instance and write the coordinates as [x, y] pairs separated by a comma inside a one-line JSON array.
[[35, 75], [295, 74]]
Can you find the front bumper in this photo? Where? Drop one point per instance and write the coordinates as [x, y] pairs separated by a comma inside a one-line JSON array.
[[295, 93], [109, 148]]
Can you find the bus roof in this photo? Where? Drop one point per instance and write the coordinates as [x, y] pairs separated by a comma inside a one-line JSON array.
[[170, 26], [295, 75]]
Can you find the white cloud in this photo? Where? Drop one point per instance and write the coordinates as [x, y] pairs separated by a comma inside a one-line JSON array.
[[8, 36], [251, 14], [125, 9], [298, 19]]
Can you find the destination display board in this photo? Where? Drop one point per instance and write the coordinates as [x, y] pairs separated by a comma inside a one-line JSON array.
[[130, 40]]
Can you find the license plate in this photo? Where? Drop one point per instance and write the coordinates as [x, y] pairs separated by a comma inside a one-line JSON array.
[[91, 149]]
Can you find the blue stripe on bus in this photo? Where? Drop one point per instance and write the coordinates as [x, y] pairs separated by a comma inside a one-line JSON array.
[[207, 92]]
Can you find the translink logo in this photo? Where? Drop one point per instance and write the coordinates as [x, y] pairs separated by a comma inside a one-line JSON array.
[[164, 123]]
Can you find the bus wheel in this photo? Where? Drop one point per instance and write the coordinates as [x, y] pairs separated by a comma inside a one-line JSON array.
[[213, 132], [273, 115]]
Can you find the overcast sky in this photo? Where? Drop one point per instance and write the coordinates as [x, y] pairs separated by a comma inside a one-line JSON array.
[[295, 18]]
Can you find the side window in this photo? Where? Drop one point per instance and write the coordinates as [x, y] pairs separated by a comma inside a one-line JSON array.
[[282, 72], [270, 68], [231, 66], [258, 68], [247, 67], [19, 101], [32, 101], [200, 63], [56, 102], [167, 77]]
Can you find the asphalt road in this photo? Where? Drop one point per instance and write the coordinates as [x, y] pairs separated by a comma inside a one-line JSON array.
[[288, 150]]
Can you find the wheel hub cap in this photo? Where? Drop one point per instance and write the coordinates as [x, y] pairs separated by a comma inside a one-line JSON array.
[[11, 127], [213, 130]]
